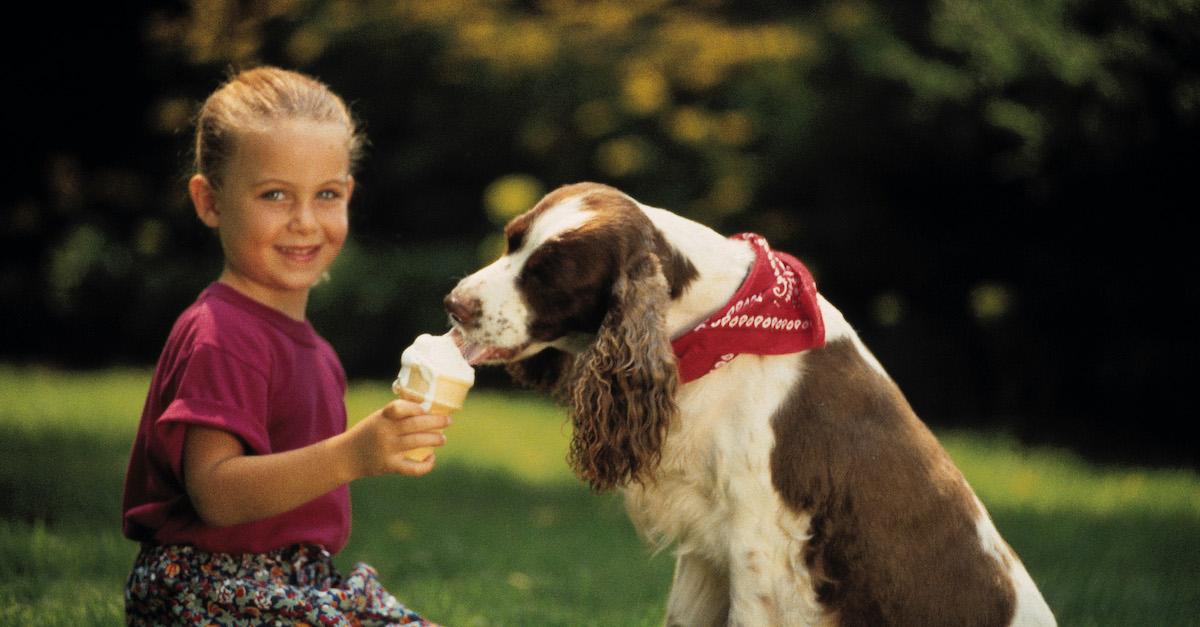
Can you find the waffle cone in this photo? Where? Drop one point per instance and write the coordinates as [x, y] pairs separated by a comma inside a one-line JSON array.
[[444, 397]]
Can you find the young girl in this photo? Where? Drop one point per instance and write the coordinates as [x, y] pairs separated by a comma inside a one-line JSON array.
[[237, 482]]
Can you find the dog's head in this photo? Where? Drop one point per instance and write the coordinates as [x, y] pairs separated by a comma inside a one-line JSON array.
[[576, 306]]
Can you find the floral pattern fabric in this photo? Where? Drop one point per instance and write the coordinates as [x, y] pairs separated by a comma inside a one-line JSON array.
[[298, 585]]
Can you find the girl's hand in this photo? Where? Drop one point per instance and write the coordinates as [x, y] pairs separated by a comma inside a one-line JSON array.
[[378, 442]]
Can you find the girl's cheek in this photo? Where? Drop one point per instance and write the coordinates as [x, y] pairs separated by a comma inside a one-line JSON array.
[[336, 237], [340, 228]]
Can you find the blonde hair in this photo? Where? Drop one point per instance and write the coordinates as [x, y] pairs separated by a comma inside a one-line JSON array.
[[254, 98]]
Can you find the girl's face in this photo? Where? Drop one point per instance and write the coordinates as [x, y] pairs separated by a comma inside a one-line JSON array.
[[282, 210]]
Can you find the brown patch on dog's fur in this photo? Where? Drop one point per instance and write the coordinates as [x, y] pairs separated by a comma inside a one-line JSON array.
[[894, 540]]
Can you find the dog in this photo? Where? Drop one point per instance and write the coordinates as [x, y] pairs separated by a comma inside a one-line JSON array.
[[747, 425]]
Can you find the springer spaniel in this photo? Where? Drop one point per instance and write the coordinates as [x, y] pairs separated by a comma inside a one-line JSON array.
[[796, 482]]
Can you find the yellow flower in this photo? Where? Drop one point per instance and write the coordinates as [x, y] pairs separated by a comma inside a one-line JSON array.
[[621, 157], [509, 195], [645, 90]]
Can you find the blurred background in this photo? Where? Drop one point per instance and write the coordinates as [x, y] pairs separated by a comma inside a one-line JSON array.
[[994, 192]]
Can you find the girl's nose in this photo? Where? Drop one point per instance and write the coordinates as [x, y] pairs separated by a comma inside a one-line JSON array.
[[304, 218]]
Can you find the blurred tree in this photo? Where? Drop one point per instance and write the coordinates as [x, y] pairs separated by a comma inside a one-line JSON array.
[[989, 189]]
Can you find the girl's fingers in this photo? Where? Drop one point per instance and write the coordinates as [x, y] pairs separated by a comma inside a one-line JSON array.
[[420, 422], [400, 409], [424, 439], [406, 466]]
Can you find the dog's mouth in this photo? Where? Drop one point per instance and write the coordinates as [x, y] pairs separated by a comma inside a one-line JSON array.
[[477, 354]]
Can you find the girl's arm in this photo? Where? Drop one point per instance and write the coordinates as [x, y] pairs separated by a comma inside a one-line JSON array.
[[228, 487]]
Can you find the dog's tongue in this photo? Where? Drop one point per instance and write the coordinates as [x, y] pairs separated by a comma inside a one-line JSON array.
[[475, 354]]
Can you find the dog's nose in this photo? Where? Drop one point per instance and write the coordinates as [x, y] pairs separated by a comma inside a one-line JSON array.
[[463, 310]]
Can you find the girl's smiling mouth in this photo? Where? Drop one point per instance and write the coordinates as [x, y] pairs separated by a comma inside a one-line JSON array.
[[299, 254]]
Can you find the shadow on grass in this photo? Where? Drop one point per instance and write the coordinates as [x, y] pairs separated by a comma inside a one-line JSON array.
[[470, 546], [59, 477], [474, 546], [62, 558]]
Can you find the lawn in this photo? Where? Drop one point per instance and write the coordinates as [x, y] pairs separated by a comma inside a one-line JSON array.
[[501, 534]]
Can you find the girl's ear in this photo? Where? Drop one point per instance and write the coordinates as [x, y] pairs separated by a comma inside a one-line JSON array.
[[204, 200], [349, 186]]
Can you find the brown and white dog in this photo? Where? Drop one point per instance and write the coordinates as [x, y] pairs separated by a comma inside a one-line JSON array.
[[799, 489]]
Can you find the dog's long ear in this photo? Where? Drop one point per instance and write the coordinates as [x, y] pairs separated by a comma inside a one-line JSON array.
[[621, 390]]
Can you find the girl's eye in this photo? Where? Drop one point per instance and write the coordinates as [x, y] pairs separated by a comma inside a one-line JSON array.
[[274, 194], [329, 194]]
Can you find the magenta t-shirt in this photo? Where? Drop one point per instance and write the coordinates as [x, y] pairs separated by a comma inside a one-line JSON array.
[[234, 364]]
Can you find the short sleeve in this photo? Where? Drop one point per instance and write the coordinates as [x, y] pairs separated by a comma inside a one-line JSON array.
[[218, 390]]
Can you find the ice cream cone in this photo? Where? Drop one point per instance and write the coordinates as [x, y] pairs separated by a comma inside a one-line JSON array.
[[422, 382]]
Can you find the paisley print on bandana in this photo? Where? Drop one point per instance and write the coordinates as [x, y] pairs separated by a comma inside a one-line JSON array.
[[775, 311]]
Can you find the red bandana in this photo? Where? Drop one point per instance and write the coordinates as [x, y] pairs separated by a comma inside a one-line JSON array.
[[774, 312]]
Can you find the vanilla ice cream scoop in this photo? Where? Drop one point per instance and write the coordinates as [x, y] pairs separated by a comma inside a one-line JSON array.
[[434, 374], [434, 357]]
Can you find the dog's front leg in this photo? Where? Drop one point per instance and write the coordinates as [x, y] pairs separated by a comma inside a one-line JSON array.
[[768, 583], [699, 593], [752, 595]]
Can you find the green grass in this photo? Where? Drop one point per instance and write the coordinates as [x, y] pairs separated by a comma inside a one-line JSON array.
[[501, 534]]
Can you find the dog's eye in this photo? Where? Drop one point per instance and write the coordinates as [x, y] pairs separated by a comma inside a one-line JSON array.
[[515, 240]]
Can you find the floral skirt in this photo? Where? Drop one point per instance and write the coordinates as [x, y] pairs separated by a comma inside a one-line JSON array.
[[178, 585]]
